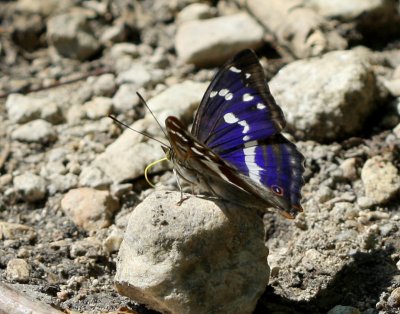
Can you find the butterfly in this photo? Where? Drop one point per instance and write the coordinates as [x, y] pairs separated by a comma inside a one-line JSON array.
[[235, 148]]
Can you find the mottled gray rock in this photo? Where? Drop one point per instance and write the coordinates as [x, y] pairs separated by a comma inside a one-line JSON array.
[[349, 169], [394, 298], [124, 49], [179, 100], [195, 11], [71, 35], [30, 187], [113, 242], [98, 107], [396, 131], [61, 183], [124, 159], [43, 7], [322, 103], [89, 247], [347, 10], [222, 37], [393, 86], [369, 15], [297, 27], [12, 231], [342, 309], [125, 98], [115, 33], [94, 177], [21, 109], [18, 270], [381, 180], [103, 85], [198, 257], [88, 208], [140, 75], [127, 157], [37, 131]]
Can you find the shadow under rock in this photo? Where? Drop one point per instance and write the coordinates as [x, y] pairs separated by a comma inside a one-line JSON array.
[[363, 280]]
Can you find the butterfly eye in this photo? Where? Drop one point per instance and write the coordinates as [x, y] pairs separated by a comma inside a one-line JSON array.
[[277, 190]]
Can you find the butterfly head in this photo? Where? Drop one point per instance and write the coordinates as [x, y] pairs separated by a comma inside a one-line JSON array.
[[168, 152]]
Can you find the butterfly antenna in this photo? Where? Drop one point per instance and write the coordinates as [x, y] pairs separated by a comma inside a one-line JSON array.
[[140, 132], [148, 108]]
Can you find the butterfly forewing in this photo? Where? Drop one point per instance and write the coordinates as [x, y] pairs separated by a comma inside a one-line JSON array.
[[237, 106]]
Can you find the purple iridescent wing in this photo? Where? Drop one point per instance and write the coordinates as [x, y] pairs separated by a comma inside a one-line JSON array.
[[239, 120], [237, 96]]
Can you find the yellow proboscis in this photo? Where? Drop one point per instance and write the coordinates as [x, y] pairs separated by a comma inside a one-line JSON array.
[[151, 165]]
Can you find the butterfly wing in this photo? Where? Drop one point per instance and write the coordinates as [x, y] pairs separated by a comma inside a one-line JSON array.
[[237, 96], [239, 120]]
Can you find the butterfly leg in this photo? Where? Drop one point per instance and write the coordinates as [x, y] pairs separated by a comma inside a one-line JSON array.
[[180, 189]]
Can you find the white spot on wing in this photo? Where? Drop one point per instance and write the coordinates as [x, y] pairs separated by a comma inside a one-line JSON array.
[[213, 94], [250, 144], [247, 97], [230, 118], [248, 75], [245, 126], [229, 96], [246, 138], [223, 92], [196, 151], [260, 106], [235, 69], [250, 161], [183, 138]]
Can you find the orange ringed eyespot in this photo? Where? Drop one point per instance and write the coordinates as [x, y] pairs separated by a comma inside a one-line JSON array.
[[277, 190]]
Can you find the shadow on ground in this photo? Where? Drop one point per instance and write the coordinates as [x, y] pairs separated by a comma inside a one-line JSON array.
[[363, 280]]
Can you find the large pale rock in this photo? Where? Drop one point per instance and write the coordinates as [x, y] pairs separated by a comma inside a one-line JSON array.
[[127, 157], [21, 109], [88, 208], [221, 38], [304, 32], [381, 180], [195, 11], [18, 270], [36, 131], [322, 103], [179, 100], [370, 16], [30, 187], [199, 257], [348, 10], [71, 35]]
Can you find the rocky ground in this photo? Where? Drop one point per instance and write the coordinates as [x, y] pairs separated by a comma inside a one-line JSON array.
[[70, 178]]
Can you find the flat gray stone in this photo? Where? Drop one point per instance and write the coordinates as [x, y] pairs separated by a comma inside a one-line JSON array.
[[127, 157], [37, 131], [381, 180], [30, 187], [21, 109], [71, 35], [198, 257], [212, 41], [322, 103], [297, 27]]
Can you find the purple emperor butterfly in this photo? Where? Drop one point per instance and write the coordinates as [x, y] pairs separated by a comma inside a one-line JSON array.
[[235, 148]]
